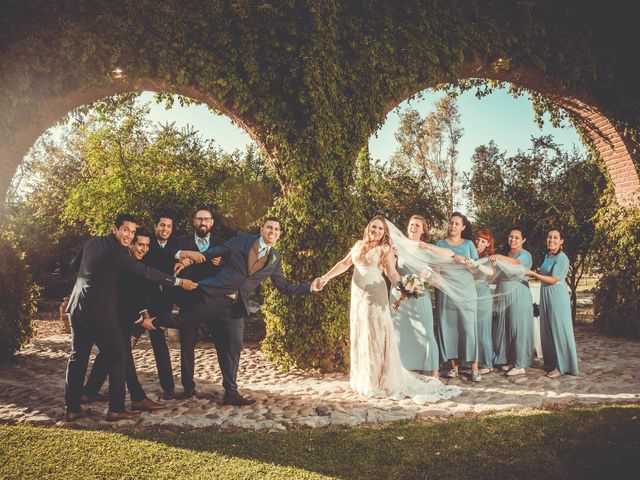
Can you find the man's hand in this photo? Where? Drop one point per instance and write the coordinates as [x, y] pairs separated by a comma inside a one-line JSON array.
[[147, 322], [181, 265], [317, 285], [195, 257], [216, 261], [187, 284]]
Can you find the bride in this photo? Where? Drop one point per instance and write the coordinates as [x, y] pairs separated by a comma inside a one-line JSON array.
[[376, 369]]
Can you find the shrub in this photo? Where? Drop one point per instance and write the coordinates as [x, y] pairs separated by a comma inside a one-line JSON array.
[[617, 296], [17, 301]]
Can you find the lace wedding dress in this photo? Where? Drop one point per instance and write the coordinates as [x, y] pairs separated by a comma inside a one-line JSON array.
[[376, 369]]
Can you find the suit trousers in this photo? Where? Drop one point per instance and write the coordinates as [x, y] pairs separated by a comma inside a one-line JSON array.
[[100, 370], [108, 338], [160, 349], [188, 339], [228, 335]]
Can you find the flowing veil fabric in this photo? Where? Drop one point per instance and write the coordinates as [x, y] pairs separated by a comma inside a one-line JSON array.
[[446, 275]]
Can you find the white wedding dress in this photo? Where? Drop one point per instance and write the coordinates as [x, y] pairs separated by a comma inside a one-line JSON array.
[[376, 369]]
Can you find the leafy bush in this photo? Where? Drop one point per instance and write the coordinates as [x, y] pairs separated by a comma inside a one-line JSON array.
[[617, 297], [17, 301]]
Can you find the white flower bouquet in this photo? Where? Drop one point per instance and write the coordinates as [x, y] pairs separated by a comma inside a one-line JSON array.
[[412, 286]]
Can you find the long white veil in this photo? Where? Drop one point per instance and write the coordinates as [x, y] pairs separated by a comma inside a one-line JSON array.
[[449, 277]]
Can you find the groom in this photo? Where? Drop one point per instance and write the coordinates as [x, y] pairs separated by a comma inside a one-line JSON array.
[[248, 260]]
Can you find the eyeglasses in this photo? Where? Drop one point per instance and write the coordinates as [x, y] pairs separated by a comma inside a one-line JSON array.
[[203, 219]]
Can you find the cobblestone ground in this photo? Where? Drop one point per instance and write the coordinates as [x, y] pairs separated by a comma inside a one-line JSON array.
[[32, 388]]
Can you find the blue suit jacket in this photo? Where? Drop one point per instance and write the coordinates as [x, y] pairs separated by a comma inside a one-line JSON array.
[[233, 274]]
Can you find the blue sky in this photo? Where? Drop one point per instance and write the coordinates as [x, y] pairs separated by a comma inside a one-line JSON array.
[[507, 120]]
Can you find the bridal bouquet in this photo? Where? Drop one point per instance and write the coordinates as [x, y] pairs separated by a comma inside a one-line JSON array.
[[412, 286]]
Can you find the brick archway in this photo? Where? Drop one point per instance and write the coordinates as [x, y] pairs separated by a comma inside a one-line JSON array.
[[609, 140], [34, 123]]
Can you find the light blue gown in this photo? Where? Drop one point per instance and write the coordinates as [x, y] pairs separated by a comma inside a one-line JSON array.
[[457, 330], [556, 327], [413, 324], [486, 354], [513, 333]]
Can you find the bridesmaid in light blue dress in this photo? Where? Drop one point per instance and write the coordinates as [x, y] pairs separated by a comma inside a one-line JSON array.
[[556, 326], [513, 335], [485, 246], [413, 320], [457, 329]]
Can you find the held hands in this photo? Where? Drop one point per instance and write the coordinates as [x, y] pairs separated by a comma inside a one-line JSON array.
[[462, 259], [187, 284], [317, 284], [195, 257], [181, 265]]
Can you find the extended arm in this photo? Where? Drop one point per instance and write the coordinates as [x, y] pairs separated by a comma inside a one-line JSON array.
[[338, 269], [505, 258], [550, 279], [284, 285], [390, 270]]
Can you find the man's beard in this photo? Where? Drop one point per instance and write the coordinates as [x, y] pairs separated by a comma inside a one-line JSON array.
[[202, 234]]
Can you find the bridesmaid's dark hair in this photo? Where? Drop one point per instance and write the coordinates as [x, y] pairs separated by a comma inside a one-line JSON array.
[[467, 233], [559, 230]]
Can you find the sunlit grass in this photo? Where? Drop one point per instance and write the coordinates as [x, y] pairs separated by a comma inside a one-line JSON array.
[[599, 442]]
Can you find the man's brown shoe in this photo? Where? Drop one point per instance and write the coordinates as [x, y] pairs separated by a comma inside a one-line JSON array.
[[115, 416], [73, 416], [147, 405], [186, 394], [236, 399], [168, 395]]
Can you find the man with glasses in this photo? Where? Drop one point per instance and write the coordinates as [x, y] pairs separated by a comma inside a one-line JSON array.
[[200, 241]]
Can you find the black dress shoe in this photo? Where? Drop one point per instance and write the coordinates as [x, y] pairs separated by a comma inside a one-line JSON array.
[[185, 394], [236, 399]]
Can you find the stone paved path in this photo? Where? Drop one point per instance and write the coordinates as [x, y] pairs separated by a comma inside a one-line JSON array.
[[32, 387]]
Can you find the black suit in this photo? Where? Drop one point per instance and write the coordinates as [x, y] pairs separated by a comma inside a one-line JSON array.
[[92, 311], [188, 324], [134, 294], [225, 316], [161, 304]]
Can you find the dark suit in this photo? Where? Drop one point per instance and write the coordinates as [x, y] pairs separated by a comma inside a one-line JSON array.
[[188, 324], [134, 294], [225, 316], [160, 305], [92, 311]]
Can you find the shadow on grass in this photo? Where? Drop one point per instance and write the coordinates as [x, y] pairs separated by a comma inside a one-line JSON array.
[[601, 442]]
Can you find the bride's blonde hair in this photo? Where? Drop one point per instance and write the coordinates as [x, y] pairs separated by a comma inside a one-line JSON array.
[[368, 244]]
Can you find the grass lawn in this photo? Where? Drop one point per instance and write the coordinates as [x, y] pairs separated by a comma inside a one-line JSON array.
[[599, 442]]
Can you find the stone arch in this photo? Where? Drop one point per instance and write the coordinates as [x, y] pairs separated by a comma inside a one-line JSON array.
[[607, 137], [34, 123]]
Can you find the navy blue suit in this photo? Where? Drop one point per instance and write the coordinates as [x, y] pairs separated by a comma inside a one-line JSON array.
[[188, 325], [226, 316], [94, 320]]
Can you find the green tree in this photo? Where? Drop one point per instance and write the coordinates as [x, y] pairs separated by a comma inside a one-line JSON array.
[[110, 158], [537, 190], [430, 145], [396, 190]]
